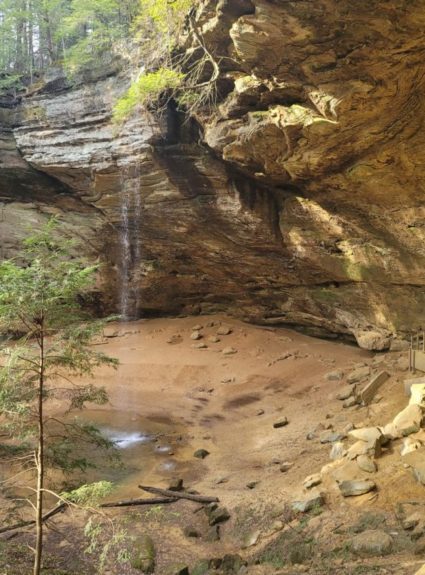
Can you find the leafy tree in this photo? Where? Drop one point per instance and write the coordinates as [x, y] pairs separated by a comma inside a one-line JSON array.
[[41, 298]]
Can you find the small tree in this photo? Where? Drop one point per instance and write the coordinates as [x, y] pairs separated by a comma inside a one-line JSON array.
[[40, 297]]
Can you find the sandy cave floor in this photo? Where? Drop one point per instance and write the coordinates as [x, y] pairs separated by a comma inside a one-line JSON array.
[[227, 404]]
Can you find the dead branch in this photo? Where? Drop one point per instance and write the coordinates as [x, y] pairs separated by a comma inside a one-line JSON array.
[[179, 495], [46, 516], [131, 502]]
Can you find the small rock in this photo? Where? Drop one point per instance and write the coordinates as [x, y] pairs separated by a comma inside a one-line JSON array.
[[346, 392], [252, 484], [367, 464], [336, 375], [348, 427], [315, 499], [176, 485], [372, 542], [224, 330], [277, 525], [178, 569], [285, 466], [201, 568], [355, 487], [214, 339], [229, 351], [411, 522], [196, 335], [231, 563], [331, 436], [310, 435], [281, 423], [350, 402], [312, 481], [201, 453], [190, 531], [251, 539], [197, 327], [358, 374], [174, 339], [260, 412], [200, 345], [217, 515], [338, 451]]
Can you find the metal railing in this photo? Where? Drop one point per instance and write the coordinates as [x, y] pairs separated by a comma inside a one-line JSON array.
[[417, 351]]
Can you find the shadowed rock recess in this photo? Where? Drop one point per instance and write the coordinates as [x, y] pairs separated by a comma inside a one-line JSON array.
[[297, 200]]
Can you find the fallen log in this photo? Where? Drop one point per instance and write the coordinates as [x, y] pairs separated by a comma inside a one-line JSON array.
[[179, 494], [130, 502], [45, 517]]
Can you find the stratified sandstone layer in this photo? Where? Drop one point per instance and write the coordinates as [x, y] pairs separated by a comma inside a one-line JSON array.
[[300, 201]]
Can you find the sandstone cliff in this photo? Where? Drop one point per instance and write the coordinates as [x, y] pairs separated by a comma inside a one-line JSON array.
[[297, 200]]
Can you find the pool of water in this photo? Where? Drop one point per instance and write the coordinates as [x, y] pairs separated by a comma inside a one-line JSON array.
[[148, 451]]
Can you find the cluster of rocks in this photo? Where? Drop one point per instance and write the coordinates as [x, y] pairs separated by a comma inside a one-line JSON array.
[[202, 340], [357, 456]]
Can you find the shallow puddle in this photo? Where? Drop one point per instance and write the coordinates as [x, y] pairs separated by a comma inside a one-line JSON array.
[[148, 451]]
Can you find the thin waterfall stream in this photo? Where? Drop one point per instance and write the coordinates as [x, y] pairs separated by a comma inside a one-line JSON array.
[[129, 240]]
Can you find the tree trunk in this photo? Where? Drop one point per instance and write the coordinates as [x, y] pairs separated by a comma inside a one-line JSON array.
[[40, 460]]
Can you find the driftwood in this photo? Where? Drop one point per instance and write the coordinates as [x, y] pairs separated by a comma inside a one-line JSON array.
[[179, 494], [130, 502], [45, 517]]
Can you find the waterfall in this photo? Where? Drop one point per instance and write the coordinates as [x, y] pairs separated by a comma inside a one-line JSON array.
[[129, 240]]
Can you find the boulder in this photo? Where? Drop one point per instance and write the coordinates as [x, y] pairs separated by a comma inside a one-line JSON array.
[[358, 374], [366, 464], [372, 542], [355, 487], [373, 340], [417, 394], [416, 460], [308, 502], [346, 392], [372, 449], [368, 434], [410, 444], [195, 335], [331, 436], [143, 554], [409, 420], [312, 481]]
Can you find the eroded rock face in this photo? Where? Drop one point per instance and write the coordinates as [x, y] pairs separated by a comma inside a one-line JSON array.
[[309, 211]]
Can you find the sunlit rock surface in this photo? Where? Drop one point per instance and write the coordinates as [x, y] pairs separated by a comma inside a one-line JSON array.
[[299, 201]]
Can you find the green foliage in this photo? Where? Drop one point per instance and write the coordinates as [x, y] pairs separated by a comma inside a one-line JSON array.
[[41, 296], [10, 82], [166, 17], [145, 90], [89, 495], [102, 543]]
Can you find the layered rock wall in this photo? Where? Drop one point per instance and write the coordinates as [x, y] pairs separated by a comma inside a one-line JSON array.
[[298, 199]]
